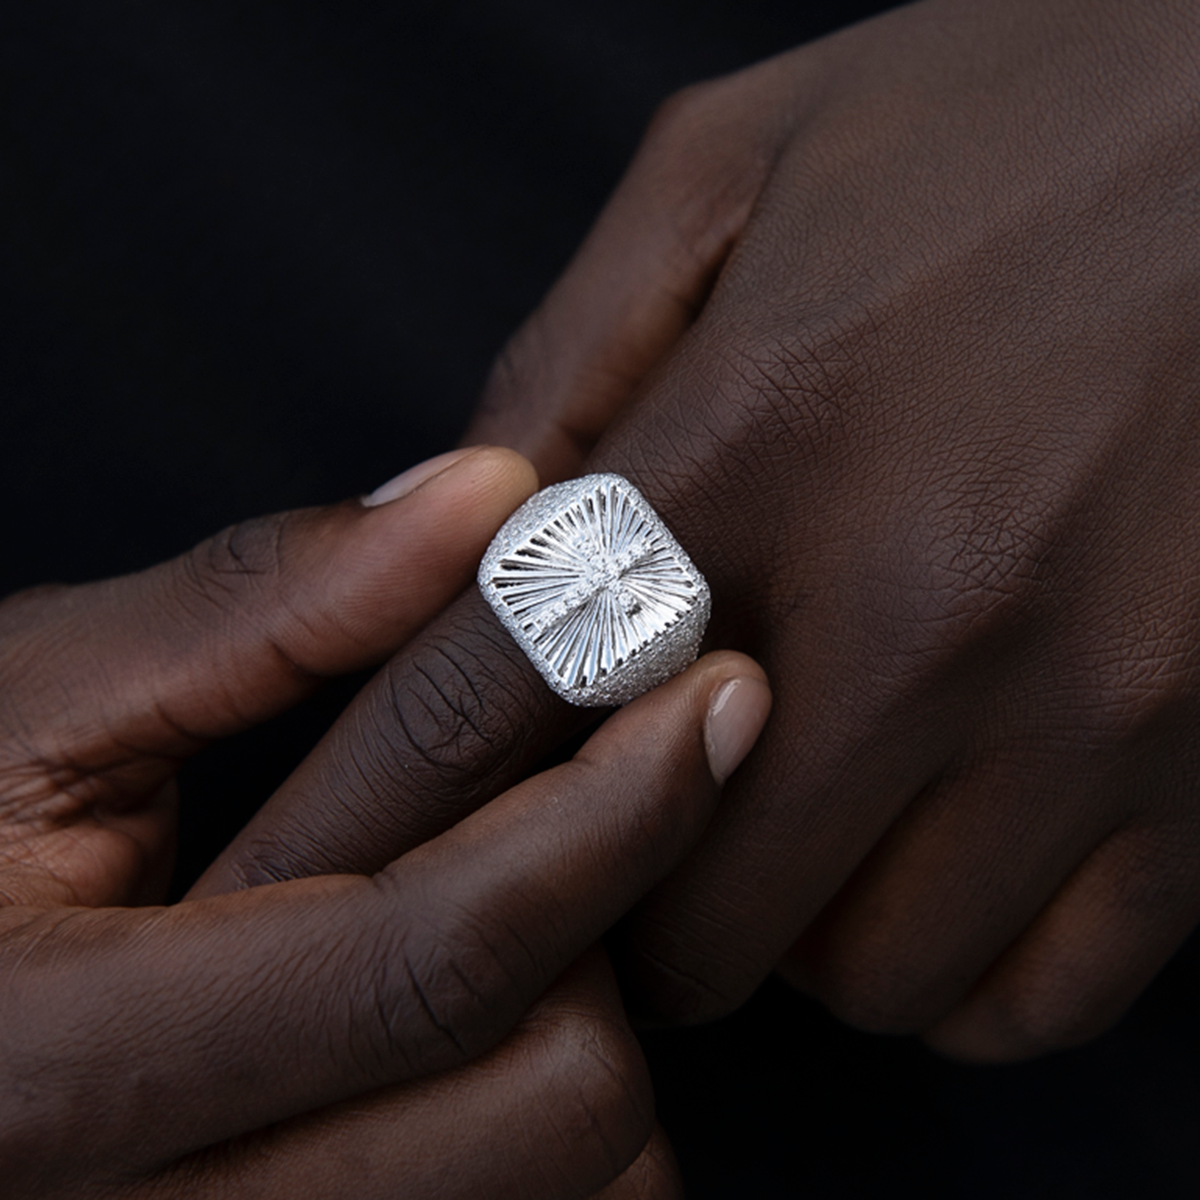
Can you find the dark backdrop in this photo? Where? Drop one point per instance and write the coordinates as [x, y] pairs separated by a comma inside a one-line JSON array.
[[258, 254]]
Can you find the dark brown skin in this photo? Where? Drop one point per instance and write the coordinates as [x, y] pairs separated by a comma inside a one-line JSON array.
[[445, 1027], [901, 334]]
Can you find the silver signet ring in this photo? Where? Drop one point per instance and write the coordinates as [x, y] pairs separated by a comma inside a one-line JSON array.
[[589, 581]]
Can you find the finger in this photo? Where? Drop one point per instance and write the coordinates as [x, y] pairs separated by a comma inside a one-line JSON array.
[[137, 671], [1088, 955], [119, 856], [557, 1110], [822, 789], [457, 716], [277, 1000], [955, 881], [636, 283], [654, 1176]]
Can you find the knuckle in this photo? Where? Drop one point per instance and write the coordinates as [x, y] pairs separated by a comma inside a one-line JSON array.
[[877, 993], [959, 570], [653, 1176], [707, 151], [685, 111], [724, 110], [1046, 1015], [981, 573], [454, 708], [761, 405], [217, 572], [249, 548], [961, 597], [442, 992], [1155, 884], [289, 849], [598, 1094], [689, 975], [805, 387]]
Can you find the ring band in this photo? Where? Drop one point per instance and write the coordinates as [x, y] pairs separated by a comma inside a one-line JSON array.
[[592, 586]]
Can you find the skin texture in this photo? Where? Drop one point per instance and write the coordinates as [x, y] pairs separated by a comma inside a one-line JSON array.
[[445, 1026], [900, 332]]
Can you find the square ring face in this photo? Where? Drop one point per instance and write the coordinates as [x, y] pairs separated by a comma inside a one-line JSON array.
[[596, 591]]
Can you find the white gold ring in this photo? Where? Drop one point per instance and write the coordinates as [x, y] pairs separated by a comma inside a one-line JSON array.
[[592, 586]]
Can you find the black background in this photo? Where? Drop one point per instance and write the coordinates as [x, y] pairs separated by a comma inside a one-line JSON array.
[[259, 255]]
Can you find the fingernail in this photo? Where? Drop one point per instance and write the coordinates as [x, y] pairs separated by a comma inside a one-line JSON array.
[[735, 719], [412, 479]]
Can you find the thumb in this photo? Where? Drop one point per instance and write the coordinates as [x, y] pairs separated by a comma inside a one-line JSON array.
[[130, 674]]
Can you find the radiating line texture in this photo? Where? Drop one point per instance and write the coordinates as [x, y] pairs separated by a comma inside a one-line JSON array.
[[595, 583]]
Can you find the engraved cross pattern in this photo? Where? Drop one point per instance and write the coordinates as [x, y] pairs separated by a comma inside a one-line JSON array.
[[594, 586]]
